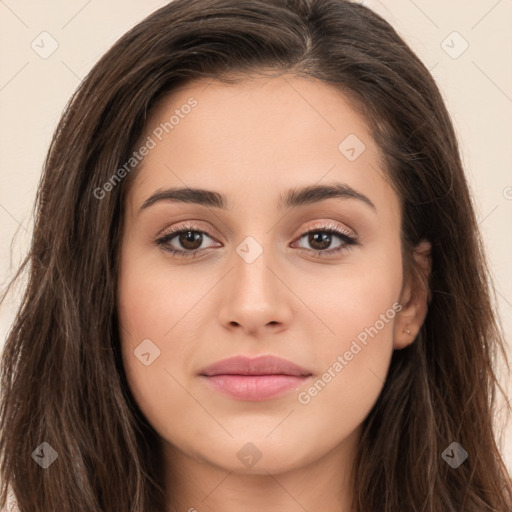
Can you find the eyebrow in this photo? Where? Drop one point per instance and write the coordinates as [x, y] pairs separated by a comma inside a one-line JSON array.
[[294, 197]]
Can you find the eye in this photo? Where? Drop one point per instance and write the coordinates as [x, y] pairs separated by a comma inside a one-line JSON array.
[[189, 239], [320, 239]]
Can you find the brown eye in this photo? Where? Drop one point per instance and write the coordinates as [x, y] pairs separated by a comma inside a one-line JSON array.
[[183, 240], [321, 239], [190, 240]]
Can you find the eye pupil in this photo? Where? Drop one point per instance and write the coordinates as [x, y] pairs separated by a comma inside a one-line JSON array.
[[191, 237], [320, 237]]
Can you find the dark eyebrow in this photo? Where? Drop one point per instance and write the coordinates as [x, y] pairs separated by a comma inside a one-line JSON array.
[[293, 198], [187, 195], [314, 193]]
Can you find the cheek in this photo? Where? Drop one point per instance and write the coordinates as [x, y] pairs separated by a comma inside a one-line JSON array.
[[142, 323], [150, 359], [158, 335], [154, 302], [351, 298], [358, 310], [354, 371]]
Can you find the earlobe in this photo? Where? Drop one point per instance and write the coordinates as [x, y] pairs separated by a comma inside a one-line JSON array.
[[405, 339], [415, 298]]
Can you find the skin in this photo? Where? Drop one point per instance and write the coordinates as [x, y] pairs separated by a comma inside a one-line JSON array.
[[253, 141]]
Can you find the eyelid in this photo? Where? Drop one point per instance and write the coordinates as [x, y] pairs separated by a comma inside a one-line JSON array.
[[318, 224], [190, 225], [328, 224]]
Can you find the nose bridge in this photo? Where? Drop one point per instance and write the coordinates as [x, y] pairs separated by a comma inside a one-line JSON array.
[[254, 296], [252, 276]]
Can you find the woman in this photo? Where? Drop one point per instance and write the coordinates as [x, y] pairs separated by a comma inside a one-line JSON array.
[[256, 280]]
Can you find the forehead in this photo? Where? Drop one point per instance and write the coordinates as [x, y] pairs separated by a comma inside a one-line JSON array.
[[258, 135]]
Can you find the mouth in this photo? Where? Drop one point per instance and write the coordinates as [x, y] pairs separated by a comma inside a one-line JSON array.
[[255, 379]]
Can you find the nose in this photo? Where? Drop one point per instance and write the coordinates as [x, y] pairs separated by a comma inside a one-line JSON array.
[[256, 297]]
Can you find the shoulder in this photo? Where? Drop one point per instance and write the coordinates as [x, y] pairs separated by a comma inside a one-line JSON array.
[[11, 505]]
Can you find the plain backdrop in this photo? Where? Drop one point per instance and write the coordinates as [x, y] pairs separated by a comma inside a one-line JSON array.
[[47, 48]]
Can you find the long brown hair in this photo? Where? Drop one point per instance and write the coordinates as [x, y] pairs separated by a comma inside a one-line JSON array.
[[62, 378]]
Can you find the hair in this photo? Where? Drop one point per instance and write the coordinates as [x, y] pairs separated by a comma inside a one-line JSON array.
[[61, 375]]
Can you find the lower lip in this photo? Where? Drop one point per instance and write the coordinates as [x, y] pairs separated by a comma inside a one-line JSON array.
[[254, 387]]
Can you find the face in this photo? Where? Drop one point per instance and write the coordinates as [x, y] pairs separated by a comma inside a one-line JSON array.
[[258, 267]]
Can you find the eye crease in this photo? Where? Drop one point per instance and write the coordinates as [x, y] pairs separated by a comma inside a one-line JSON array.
[[192, 234]]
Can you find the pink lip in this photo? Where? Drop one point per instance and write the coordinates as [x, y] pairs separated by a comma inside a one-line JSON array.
[[259, 378]]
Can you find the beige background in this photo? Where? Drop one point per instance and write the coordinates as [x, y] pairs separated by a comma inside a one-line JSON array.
[[476, 83]]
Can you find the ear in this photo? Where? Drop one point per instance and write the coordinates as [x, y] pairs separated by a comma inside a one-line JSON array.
[[414, 298]]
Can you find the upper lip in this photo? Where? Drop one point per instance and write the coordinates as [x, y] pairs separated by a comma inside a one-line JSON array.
[[261, 365]]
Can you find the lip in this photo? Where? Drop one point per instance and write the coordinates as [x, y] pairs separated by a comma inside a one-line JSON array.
[[259, 378]]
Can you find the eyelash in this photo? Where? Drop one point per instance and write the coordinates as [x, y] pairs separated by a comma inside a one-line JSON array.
[[348, 240]]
